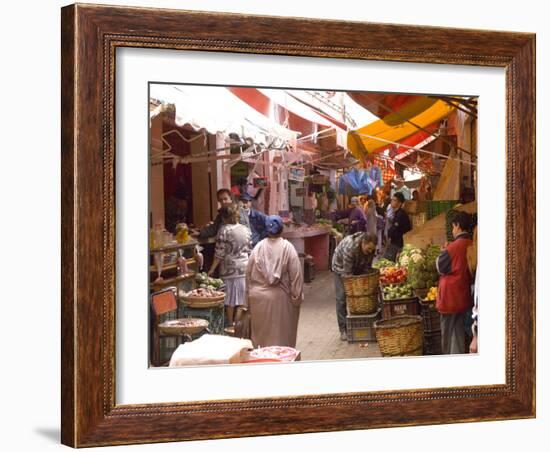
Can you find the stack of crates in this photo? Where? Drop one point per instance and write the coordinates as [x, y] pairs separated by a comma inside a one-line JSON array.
[[432, 324], [438, 207], [360, 328]]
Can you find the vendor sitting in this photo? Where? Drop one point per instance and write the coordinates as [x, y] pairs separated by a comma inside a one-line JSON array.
[[224, 199], [256, 219], [353, 256]]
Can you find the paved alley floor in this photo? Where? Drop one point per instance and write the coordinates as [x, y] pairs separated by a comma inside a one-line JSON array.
[[318, 335]]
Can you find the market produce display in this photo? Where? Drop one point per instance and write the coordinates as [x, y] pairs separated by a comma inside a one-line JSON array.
[[420, 264], [382, 263], [206, 282], [393, 275], [202, 293], [397, 291], [432, 294]]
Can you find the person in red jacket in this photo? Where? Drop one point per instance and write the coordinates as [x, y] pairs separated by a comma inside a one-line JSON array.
[[453, 293]]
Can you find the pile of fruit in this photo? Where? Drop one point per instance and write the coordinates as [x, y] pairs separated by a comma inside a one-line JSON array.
[[206, 282], [432, 294], [382, 263], [393, 275], [397, 291], [202, 293]]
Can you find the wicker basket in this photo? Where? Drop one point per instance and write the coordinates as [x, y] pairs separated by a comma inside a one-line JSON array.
[[183, 326], [400, 336], [358, 286], [361, 305], [203, 302]]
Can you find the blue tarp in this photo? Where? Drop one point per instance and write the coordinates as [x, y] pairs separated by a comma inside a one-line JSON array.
[[358, 182]]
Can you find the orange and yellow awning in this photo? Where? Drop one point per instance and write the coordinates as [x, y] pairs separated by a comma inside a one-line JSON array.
[[397, 126]]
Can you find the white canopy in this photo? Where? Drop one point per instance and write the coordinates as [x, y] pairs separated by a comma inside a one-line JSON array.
[[215, 109]]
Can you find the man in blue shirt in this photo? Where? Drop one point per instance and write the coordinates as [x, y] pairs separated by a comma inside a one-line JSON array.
[[256, 219]]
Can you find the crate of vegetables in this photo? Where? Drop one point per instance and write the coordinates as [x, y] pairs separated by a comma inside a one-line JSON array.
[[398, 299]]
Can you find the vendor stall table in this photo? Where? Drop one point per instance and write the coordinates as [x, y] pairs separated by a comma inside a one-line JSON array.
[[312, 241]]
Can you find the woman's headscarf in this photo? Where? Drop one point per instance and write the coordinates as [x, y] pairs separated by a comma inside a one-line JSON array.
[[274, 224]]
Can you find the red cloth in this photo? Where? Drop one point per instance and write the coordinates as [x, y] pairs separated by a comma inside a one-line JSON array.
[[387, 167], [453, 294]]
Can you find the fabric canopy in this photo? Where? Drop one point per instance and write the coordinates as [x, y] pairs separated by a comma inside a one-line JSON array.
[[396, 126], [382, 105], [215, 109]]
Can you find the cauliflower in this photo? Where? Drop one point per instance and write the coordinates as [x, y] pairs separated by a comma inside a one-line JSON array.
[[404, 261], [417, 258]]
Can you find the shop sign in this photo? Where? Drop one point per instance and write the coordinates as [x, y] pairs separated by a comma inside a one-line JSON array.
[[297, 174]]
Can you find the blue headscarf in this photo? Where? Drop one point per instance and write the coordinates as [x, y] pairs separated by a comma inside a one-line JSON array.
[[274, 224]]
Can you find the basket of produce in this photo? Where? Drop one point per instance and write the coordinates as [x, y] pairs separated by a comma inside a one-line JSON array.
[[361, 285], [398, 300], [183, 326], [430, 314], [362, 304], [202, 298], [400, 336]]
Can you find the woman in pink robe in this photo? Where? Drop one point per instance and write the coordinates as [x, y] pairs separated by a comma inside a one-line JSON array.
[[274, 285]]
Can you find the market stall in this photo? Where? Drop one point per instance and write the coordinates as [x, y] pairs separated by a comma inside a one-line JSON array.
[[311, 240], [302, 155]]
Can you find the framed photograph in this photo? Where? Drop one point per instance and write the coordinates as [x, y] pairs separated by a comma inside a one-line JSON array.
[[185, 317]]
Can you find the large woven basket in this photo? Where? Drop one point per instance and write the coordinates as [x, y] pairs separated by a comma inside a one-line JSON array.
[[203, 302], [183, 326], [361, 285], [400, 336], [363, 304]]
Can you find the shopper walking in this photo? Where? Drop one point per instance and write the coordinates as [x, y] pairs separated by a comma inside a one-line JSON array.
[[274, 285]]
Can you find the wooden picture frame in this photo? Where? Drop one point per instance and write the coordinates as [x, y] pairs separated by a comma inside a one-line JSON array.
[[90, 36]]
